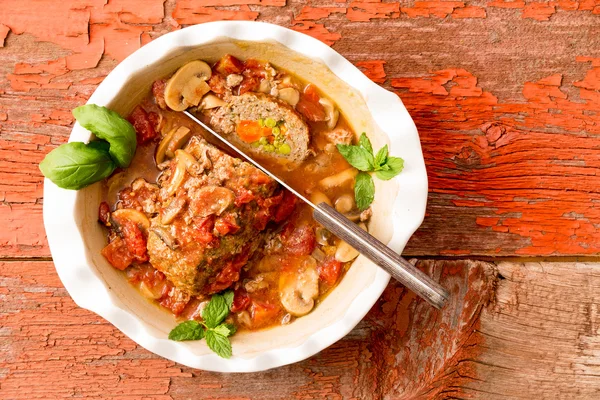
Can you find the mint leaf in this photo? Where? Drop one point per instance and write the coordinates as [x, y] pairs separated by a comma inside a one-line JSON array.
[[365, 143], [228, 295], [232, 328], [381, 158], [218, 343], [215, 311], [188, 330], [364, 190], [395, 164], [222, 329], [357, 156]]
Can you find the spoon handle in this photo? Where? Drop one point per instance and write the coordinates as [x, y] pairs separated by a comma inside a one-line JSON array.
[[391, 262]]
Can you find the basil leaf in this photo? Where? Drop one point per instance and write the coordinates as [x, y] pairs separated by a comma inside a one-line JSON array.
[[218, 343], [188, 330], [357, 156], [228, 295], [365, 143], [364, 190], [110, 126], [76, 165], [215, 311], [232, 328], [381, 157], [395, 164]]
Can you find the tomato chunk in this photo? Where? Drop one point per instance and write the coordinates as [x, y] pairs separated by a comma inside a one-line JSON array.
[[158, 91], [228, 64], [330, 270], [286, 207], [241, 300], [135, 241], [299, 241], [262, 313], [203, 229], [104, 214], [144, 128], [117, 254], [226, 225], [309, 105]]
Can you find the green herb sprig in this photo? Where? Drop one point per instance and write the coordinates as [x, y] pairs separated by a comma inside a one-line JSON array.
[[76, 165], [211, 327], [362, 158]]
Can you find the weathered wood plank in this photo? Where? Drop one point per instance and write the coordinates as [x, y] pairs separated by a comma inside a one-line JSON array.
[[50, 348], [509, 115]]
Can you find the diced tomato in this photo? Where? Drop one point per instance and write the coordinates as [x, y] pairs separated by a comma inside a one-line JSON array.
[[251, 131], [154, 119], [175, 300], [229, 274], [309, 105], [254, 67], [117, 254], [249, 84], [135, 240], [286, 207], [241, 300], [226, 225], [261, 219], [203, 229], [243, 196], [228, 64], [330, 270], [299, 241], [144, 129], [262, 313], [217, 84], [158, 91], [260, 178], [104, 214]]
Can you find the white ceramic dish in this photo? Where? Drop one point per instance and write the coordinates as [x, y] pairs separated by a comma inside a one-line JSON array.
[[76, 238]]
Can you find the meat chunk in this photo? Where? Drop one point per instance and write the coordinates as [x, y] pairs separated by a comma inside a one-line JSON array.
[[214, 232], [262, 124]]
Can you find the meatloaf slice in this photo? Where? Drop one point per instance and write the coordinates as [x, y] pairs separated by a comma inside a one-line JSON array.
[[277, 122], [213, 211]]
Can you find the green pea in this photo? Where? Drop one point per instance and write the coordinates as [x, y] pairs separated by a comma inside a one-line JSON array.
[[270, 122], [256, 144], [261, 122], [285, 149], [269, 148], [263, 140], [276, 131]]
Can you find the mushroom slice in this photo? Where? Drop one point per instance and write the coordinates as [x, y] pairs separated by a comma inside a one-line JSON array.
[[211, 101], [338, 179], [119, 217], [181, 135], [211, 200], [189, 162], [187, 86], [345, 252], [289, 95], [165, 236], [298, 291], [161, 149], [172, 210], [332, 114]]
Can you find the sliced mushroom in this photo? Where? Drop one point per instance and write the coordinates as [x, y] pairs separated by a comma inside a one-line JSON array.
[[298, 291], [166, 237], [289, 95], [323, 236], [344, 203], [211, 200], [152, 292], [161, 149], [190, 164], [211, 101], [176, 178], [338, 179], [265, 86], [187, 86], [332, 114], [119, 217], [172, 210], [345, 252], [317, 197], [181, 135]]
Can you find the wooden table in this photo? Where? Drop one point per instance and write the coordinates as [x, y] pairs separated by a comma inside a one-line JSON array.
[[506, 96]]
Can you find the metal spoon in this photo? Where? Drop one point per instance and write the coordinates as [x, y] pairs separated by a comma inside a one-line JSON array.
[[366, 244]]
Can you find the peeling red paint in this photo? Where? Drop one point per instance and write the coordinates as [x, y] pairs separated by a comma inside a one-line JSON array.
[[373, 69], [3, 34], [189, 12], [538, 11]]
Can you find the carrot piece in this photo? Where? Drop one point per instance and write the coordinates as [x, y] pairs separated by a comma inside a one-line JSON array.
[[251, 131]]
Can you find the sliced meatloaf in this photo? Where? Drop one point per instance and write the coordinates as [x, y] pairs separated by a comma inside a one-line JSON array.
[[213, 211], [261, 124]]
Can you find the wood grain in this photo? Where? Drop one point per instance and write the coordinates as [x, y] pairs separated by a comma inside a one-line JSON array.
[[53, 349]]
